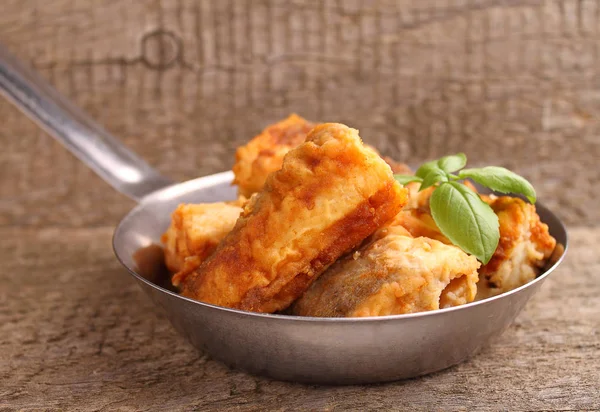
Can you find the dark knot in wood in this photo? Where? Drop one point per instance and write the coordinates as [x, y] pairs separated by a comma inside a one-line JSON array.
[[160, 49]]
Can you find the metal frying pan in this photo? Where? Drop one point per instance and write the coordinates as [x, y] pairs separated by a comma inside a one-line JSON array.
[[315, 350]]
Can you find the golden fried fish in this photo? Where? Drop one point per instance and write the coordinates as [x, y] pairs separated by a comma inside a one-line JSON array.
[[418, 222], [264, 153], [524, 248], [416, 215], [330, 194], [194, 233], [394, 274]]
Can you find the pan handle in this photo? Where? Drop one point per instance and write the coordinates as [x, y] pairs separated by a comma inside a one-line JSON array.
[[86, 139]]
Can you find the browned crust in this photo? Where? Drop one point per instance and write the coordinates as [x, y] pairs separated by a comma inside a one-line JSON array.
[[255, 265], [264, 153], [395, 274], [180, 257], [345, 235], [540, 235], [510, 231], [187, 242], [516, 216]]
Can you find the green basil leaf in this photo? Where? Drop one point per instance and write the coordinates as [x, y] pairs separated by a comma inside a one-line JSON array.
[[405, 179], [427, 168], [434, 176], [446, 164], [452, 163], [465, 219], [501, 180]]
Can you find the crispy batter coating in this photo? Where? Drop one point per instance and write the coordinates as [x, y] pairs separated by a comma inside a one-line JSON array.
[[415, 217], [524, 248], [264, 153], [393, 275], [194, 233], [330, 194], [418, 222]]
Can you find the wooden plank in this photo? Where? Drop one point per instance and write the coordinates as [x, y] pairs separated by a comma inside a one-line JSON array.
[[77, 333], [185, 82]]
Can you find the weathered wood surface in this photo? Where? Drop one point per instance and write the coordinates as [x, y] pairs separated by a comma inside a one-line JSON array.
[[77, 332], [184, 82]]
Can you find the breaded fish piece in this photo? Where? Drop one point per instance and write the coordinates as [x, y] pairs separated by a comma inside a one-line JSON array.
[[264, 153], [417, 222], [194, 233], [329, 195], [393, 275], [416, 214], [524, 248], [415, 217]]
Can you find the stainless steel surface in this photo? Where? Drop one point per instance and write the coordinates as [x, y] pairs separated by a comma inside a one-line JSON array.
[[87, 140], [318, 350]]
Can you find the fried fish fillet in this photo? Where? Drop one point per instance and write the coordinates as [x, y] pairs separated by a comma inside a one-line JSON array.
[[264, 153], [394, 274], [415, 217], [418, 222], [194, 233], [329, 195], [524, 248]]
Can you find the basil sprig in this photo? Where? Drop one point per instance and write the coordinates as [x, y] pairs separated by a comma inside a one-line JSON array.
[[461, 215]]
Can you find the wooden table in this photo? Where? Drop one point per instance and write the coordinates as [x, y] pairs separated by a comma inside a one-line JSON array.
[[184, 82], [77, 332]]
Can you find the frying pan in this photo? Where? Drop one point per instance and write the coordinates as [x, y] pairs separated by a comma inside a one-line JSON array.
[[312, 350]]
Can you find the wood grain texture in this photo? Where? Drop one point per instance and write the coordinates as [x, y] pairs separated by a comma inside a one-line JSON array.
[[77, 333], [514, 83]]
